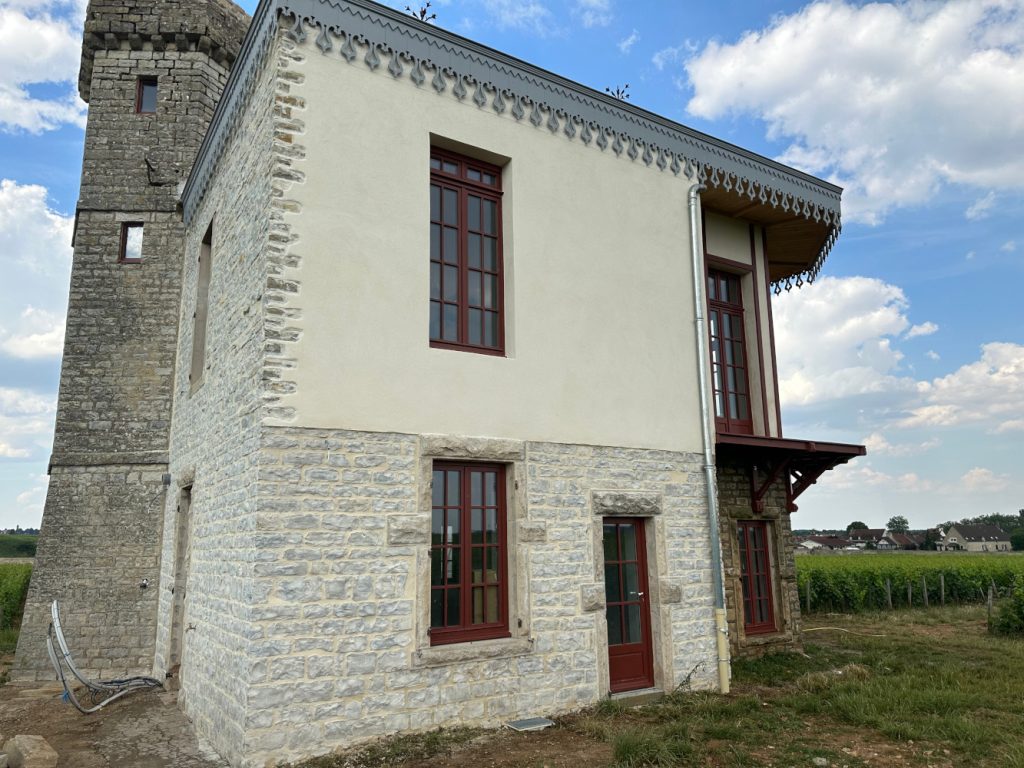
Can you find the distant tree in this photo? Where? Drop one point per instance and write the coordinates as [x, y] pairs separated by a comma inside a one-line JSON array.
[[1017, 540], [931, 538], [856, 525], [898, 524], [1005, 522]]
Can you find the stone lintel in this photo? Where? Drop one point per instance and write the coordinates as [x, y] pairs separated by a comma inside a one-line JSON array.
[[626, 503], [483, 448]]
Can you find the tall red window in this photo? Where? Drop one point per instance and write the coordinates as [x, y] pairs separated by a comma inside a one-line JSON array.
[[755, 574], [728, 354], [466, 291], [468, 575]]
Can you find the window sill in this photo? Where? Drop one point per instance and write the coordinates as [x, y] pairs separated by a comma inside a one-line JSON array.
[[467, 348], [766, 638], [481, 650]]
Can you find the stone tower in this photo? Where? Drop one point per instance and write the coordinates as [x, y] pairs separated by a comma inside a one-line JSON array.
[[152, 73]]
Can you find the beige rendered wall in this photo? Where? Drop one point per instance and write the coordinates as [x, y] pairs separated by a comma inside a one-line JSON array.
[[730, 238], [599, 327]]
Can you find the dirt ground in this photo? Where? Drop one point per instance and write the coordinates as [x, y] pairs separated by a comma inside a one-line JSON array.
[[143, 730]]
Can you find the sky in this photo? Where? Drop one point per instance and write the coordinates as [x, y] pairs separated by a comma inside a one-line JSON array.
[[912, 340]]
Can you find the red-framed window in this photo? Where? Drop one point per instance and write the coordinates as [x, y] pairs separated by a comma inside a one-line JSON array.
[[145, 95], [468, 553], [130, 249], [466, 286], [728, 354], [755, 574]]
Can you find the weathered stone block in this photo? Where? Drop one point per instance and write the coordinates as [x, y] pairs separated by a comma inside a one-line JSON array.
[[625, 504], [592, 597], [408, 529], [30, 752], [532, 532]]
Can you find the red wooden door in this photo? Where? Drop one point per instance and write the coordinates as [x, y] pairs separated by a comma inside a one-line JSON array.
[[630, 658]]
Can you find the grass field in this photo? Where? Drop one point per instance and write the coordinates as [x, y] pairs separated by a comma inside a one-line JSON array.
[[858, 582], [17, 545], [13, 588], [907, 688]]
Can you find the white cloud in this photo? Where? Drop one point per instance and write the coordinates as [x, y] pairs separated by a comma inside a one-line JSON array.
[[29, 503], [36, 47], [26, 422], [1008, 247], [882, 98], [670, 55], [931, 354], [878, 445], [32, 235], [40, 334], [529, 15], [859, 475], [924, 329], [981, 480], [988, 392], [981, 208], [626, 44], [594, 13], [1013, 425]]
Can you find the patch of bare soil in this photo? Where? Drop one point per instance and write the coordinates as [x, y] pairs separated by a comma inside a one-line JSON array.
[[144, 729], [557, 747]]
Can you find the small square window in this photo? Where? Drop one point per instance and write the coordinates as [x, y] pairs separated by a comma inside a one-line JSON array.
[[145, 97], [131, 243]]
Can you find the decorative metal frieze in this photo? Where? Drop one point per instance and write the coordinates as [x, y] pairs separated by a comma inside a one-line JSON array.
[[509, 85]]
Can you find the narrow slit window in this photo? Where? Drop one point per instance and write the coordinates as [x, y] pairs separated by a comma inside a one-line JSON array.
[[145, 95], [199, 317], [131, 243]]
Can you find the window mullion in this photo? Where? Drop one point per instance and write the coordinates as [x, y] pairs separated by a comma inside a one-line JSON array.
[[467, 552], [463, 265]]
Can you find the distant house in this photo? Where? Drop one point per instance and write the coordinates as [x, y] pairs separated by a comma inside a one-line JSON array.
[[975, 538], [824, 542], [863, 537], [907, 540]]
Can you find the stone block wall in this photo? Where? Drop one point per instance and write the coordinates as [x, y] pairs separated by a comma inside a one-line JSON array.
[[734, 505], [215, 432], [100, 537], [341, 587]]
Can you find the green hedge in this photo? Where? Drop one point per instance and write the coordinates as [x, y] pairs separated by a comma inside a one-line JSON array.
[[857, 582], [13, 588]]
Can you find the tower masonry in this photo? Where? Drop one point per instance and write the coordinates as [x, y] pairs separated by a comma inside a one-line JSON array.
[[152, 74]]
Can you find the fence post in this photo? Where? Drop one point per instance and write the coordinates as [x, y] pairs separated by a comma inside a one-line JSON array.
[[888, 593], [989, 601], [807, 591], [924, 589], [910, 595], [942, 587]]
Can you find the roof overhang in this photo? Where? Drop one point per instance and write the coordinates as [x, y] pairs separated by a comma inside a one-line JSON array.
[[797, 464], [801, 212]]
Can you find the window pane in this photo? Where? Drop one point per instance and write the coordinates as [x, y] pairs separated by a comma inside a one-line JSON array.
[[719, 406], [451, 283], [611, 543], [437, 488], [490, 217], [634, 633], [628, 542], [451, 206], [435, 281], [493, 604], [473, 207], [478, 565], [454, 487], [437, 527], [451, 245], [450, 167], [490, 488], [437, 608], [435, 320], [132, 242], [451, 323], [435, 242], [491, 291], [454, 570], [454, 617], [734, 407], [631, 576], [477, 488], [478, 605], [489, 178], [473, 251], [436, 566], [435, 202], [477, 525], [435, 163], [147, 96], [614, 614], [491, 254], [475, 324], [492, 564], [743, 407], [491, 527], [473, 174], [737, 352], [475, 291], [491, 329], [612, 592], [712, 288]]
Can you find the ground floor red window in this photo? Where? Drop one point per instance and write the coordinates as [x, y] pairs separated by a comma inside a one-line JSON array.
[[468, 571], [756, 576]]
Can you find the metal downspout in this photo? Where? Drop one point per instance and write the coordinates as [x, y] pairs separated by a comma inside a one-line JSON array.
[[718, 581]]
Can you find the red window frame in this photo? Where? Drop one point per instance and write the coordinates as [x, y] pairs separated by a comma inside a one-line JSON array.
[[467, 286], [122, 248], [140, 85], [458, 592], [756, 576], [728, 348]]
